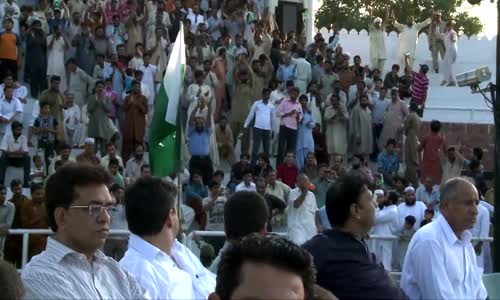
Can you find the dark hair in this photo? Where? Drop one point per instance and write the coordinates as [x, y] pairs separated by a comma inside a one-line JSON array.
[[212, 183], [301, 53], [115, 187], [15, 125], [35, 187], [44, 103], [198, 73], [64, 146], [71, 60], [244, 213], [114, 162], [410, 220], [391, 142], [99, 82], [393, 197], [60, 189], [478, 153], [340, 196], [149, 219], [474, 164], [244, 155], [430, 211], [14, 183], [266, 90], [269, 249], [12, 285], [413, 106], [435, 126], [218, 173], [144, 166]]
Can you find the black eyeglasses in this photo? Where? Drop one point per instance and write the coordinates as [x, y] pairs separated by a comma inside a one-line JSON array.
[[96, 209]]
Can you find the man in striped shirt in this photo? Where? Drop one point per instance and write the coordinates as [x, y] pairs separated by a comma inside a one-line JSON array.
[[420, 85], [72, 266]]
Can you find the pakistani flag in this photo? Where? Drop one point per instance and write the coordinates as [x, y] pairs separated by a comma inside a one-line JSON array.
[[166, 130]]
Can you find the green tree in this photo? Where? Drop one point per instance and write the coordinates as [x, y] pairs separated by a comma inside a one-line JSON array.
[[356, 14]]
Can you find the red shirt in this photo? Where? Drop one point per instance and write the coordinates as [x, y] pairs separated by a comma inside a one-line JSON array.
[[420, 87], [287, 175]]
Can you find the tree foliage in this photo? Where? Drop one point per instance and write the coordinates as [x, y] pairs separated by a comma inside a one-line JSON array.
[[356, 14]]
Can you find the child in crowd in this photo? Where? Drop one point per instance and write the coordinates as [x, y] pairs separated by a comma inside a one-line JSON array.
[[428, 216], [45, 127], [38, 172], [405, 236], [114, 166]]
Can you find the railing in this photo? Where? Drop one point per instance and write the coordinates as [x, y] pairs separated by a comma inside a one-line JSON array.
[[188, 241]]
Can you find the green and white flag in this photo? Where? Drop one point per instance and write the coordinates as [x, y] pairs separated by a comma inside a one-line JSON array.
[[165, 138]]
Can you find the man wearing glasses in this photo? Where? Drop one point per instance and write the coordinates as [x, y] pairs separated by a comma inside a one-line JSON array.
[[72, 266]]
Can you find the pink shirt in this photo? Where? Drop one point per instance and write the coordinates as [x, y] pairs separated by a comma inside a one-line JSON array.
[[287, 106], [113, 98]]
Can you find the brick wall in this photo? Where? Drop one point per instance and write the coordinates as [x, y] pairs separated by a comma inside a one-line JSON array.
[[470, 136]]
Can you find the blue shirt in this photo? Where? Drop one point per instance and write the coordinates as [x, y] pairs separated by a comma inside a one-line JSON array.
[[388, 163], [286, 73], [199, 142], [421, 194], [196, 191], [323, 218]]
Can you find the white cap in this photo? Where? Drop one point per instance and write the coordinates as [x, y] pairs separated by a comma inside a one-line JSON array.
[[378, 192], [89, 140], [377, 20], [409, 189]]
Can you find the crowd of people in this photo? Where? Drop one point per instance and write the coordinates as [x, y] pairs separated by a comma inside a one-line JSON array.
[[329, 149]]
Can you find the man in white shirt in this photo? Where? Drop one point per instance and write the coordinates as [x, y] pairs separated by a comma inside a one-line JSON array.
[[386, 217], [133, 166], [441, 262], [15, 152], [149, 72], [72, 266], [303, 72], [111, 154], [246, 184], [411, 207], [163, 266], [11, 109], [20, 91], [195, 18], [481, 229], [263, 112], [428, 193], [72, 118], [302, 209]]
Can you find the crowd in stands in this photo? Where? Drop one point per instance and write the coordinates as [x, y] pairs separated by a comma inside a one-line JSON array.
[[327, 145]]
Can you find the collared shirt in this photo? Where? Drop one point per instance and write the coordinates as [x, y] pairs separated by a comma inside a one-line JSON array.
[[195, 21], [388, 163], [9, 144], [133, 168], [9, 109], [438, 265], [279, 189], [105, 161], [286, 72], [199, 142], [287, 106], [155, 271], [302, 219], [7, 212], [378, 110], [263, 115], [242, 187], [424, 196], [61, 273], [419, 87]]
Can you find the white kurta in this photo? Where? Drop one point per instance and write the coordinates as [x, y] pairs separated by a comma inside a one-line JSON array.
[[55, 60], [303, 74], [148, 80], [377, 44], [73, 126], [450, 57], [417, 210], [386, 221], [301, 220], [408, 37], [481, 229]]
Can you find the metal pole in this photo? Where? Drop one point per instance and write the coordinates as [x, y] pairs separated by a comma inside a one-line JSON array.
[[26, 239], [496, 115]]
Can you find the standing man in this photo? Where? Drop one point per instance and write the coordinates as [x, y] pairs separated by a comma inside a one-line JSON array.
[[290, 113], [377, 43], [262, 111], [394, 118], [199, 141], [303, 71], [160, 263], [436, 43], [72, 266], [420, 85], [302, 210], [411, 129], [7, 212], [441, 262], [360, 128], [408, 36], [10, 50]]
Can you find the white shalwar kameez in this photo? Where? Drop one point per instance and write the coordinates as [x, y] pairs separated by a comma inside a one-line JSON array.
[[450, 57], [408, 37]]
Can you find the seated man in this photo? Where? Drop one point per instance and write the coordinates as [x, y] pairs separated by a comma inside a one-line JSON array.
[[134, 165], [72, 118], [63, 157], [88, 154], [111, 154], [237, 171], [160, 263], [72, 266], [15, 152], [246, 184], [388, 162], [345, 266]]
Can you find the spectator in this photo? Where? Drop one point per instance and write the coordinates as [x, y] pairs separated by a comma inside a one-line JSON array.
[[54, 97], [196, 191], [303, 72], [13, 243], [280, 269], [287, 172], [45, 127], [81, 228], [302, 210], [72, 120], [360, 128], [134, 164], [290, 112], [388, 162], [440, 244], [56, 46], [10, 53], [429, 215], [405, 235], [321, 185], [344, 265], [336, 118], [379, 108], [305, 141], [391, 80], [394, 118], [481, 229], [63, 157], [428, 193], [111, 154], [411, 207], [12, 287], [88, 155], [136, 108], [15, 152], [145, 171], [85, 50], [7, 212], [420, 86], [452, 163], [11, 110], [79, 82], [430, 145], [173, 271], [113, 167], [386, 217], [224, 139], [100, 127], [34, 216], [263, 165], [411, 129], [116, 244], [246, 184], [275, 205], [310, 167], [276, 187], [38, 170], [214, 206]]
